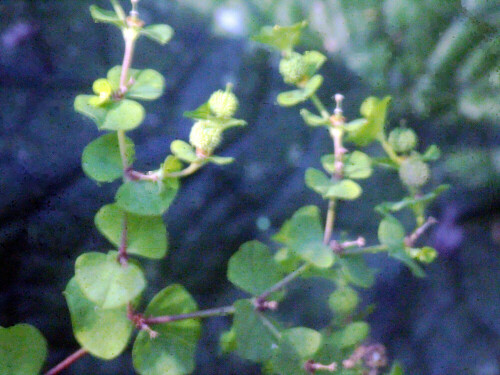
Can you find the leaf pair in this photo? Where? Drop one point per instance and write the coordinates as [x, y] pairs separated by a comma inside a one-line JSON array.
[[122, 113]]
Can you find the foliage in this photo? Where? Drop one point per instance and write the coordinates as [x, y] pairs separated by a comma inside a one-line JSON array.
[[107, 288]]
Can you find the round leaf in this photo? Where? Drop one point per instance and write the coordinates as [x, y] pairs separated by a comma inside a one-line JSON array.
[[160, 33], [305, 341], [357, 165], [105, 282], [254, 338], [312, 119], [102, 332], [147, 198], [352, 334], [183, 151], [391, 232], [345, 189], [253, 269], [121, 115], [146, 235], [303, 235], [317, 181], [23, 350], [173, 351], [375, 111], [101, 159], [147, 84]]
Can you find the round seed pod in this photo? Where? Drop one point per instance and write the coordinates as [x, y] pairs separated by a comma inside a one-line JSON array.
[[223, 103], [205, 136], [414, 172], [293, 68], [403, 140]]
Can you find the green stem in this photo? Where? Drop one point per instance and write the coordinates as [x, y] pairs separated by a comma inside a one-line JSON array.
[[218, 311], [283, 282], [190, 169], [275, 332], [390, 151], [123, 151], [330, 222], [366, 250], [319, 106]]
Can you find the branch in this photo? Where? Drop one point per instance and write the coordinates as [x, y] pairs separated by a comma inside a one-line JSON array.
[[281, 284], [67, 362], [412, 238], [218, 311]]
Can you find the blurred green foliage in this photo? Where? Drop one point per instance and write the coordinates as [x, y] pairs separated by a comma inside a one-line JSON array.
[[437, 57]]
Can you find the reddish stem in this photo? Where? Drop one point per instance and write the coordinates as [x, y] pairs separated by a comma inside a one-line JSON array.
[[67, 362]]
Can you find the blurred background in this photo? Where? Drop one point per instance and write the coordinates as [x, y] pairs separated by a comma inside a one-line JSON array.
[[439, 59]]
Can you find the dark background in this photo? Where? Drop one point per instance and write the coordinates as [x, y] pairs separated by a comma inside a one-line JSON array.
[[439, 59]]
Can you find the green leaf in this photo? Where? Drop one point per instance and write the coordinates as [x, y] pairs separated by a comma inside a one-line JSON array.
[[386, 162], [146, 235], [305, 341], [294, 97], [255, 338], [171, 164], [303, 235], [356, 271], [147, 84], [286, 361], [314, 60], [104, 333], [225, 124], [173, 351], [227, 341], [411, 201], [105, 282], [220, 160], [200, 113], [391, 232], [101, 159], [160, 33], [400, 254], [283, 38], [253, 269], [312, 119], [147, 198], [396, 369], [317, 181], [352, 334], [375, 111], [23, 350], [106, 16], [183, 151], [431, 154], [328, 163], [121, 115], [345, 189], [357, 165], [343, 301]]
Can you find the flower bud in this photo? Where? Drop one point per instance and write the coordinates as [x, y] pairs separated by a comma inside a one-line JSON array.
[[344, 301], [293, 68], [403, 140], [414, 172], [223, 103], [205, 136]]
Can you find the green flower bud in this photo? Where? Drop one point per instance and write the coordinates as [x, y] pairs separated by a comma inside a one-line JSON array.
[[223, 103], [403, 140], [205, 136], [102, 88], [425, 255], [344, 301], [293, 68], [414, 172]]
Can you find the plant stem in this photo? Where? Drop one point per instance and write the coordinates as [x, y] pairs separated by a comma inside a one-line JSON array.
[[330, 222], [389, 150], [123, 150], [365, 250], [190, 169], [283, 282], [218, 311], [67, 362], [319, 106]]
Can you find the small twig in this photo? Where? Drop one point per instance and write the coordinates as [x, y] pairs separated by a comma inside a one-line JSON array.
[[140, 322], [412, 238], [339, 247], [311, 367], [365, 250], [67, 362]]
